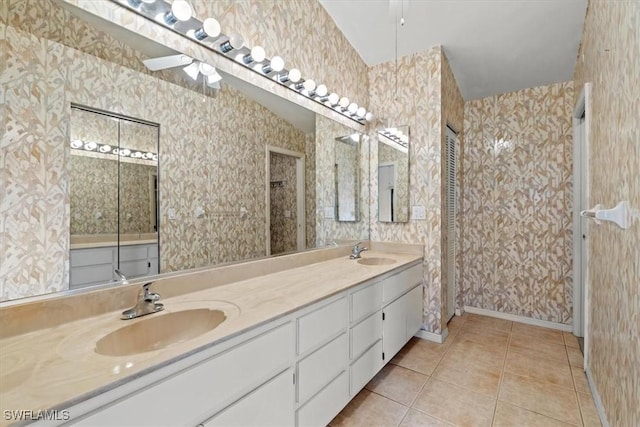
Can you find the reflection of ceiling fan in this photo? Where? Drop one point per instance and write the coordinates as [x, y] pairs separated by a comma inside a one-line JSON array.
[[190, 66]]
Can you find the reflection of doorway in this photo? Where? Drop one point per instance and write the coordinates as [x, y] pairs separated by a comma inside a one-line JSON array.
[[386, 188], [285, 211]]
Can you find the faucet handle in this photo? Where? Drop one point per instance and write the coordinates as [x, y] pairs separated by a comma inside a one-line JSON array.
[[146, 295]]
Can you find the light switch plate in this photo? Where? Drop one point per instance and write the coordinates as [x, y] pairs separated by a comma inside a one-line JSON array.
[[329, 212], [172, 214], [418, 212]]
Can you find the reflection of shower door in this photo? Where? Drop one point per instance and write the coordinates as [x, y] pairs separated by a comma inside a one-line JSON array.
[[386, 186]]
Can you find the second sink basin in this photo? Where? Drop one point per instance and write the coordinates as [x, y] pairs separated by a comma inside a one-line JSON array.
[[376, 261], [159, 331]]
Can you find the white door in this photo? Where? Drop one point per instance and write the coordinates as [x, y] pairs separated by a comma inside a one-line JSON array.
[[386, 184]]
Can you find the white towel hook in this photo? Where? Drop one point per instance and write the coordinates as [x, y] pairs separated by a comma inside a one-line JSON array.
[[621, 215]]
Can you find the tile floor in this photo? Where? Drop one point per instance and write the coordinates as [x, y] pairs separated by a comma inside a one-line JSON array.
[[488, 372]]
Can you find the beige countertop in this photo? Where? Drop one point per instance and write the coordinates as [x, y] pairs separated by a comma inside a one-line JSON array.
[[58, 366], [85, 241]]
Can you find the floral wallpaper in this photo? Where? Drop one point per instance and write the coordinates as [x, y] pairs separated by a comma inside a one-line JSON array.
[[517, 211], [608, 59], [283, 204], [418, 104]]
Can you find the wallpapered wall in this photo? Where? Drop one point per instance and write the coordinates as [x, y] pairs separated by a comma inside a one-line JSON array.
[[328, 229], [283, 198], [417, 103], [42, 77], [517, 240], [608, 58]]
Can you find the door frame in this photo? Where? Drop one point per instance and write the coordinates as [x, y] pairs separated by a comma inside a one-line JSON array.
[[581, 138], [395, 179], [300, 195]]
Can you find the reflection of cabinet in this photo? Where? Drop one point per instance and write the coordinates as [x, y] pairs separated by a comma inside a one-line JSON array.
[[301, 369], [94, 266]]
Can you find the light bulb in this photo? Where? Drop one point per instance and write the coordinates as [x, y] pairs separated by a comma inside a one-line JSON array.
[[369, 116], [210, 28], [352, 108], [309, 85], [361, 112], [277, 63], [344, 102], [333, 99], [192, 70], [90, 146], [322, 91], [105, 148], [125, 152], [295, 75], [257, 55], [180, 11], [235, 42], [76, 143]]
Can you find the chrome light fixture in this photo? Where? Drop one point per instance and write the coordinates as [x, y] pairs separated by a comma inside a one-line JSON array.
[[180, 11], [210, 28], [257, 54], [276, 64], [235, 42]]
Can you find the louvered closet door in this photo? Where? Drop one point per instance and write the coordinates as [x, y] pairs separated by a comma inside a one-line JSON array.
[[451, 198]]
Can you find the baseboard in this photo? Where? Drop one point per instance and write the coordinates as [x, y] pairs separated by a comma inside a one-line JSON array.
[[459, 311], [520, 319], [430, 336], [596, 398]]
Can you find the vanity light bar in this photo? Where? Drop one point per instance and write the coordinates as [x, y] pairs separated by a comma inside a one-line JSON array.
[[207, 33], [94, 147]]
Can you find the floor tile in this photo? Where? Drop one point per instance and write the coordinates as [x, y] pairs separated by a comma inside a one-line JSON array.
[[510, 416], [470, 375], [542, 334], [590, 415], [370, 409], [397, 383], [490, 322], [481, 334], [418, 356], [455, 405], [492, 357], [575, 357], [536, 348], [580, 380], [418, 419], [544, 398], [538, 368], [570, 340]]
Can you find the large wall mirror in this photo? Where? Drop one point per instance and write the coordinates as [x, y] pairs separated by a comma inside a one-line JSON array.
[[393, 174], [347, 177], [207, 177], [113, 187]]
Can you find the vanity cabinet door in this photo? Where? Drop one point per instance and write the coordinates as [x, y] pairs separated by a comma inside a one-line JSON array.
[[394, 327], [414, 311], [269, 405]]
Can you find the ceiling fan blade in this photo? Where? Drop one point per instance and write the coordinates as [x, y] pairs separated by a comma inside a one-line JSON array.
[[163, 62]]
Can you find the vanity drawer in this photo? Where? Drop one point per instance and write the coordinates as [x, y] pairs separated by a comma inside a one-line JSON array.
[[325, 405], [366, 333], [366, 301], [269, 405], [201, 390], [321, 324], [134, 253], [363, 369], [400, 283], [317, 369]]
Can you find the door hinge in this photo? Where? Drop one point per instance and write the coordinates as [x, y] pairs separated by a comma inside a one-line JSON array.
[[383, 315], [383, 355]]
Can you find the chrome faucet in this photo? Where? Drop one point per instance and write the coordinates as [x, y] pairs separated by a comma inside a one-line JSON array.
[[122, 279], [357, 250], [146, 304]]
